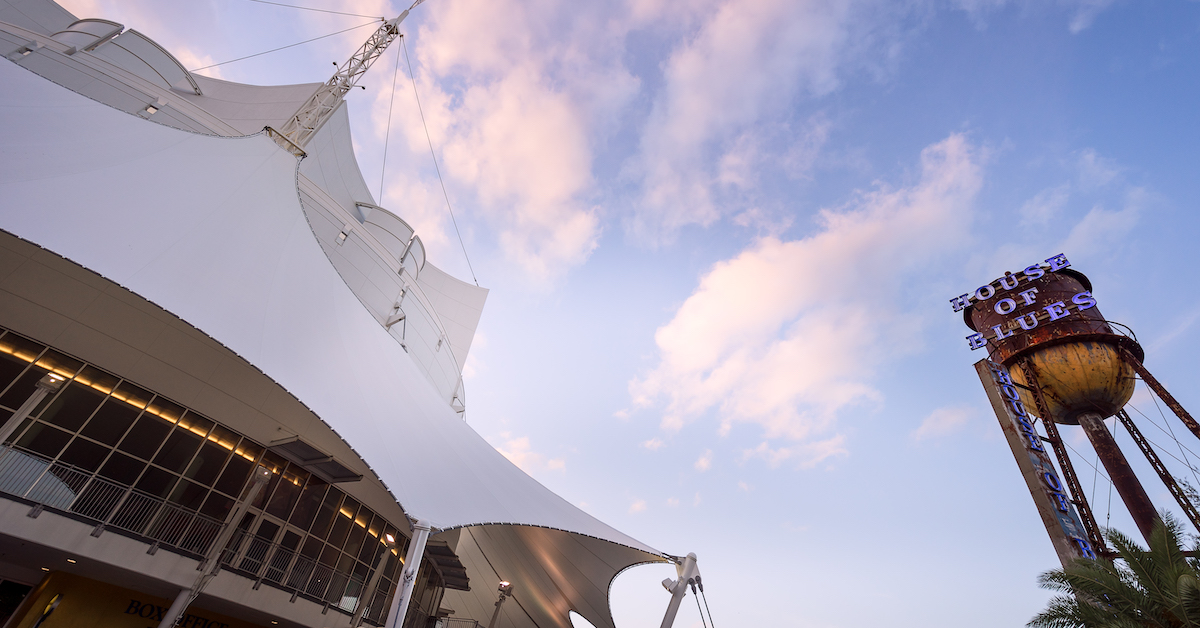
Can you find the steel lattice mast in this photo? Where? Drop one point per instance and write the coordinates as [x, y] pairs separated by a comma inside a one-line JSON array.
[[315, 111]]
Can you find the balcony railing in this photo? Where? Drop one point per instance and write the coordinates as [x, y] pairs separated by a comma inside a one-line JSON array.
[[85, 495]]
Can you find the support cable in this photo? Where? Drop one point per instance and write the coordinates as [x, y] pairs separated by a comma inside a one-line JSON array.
[[711, 623], [388, 134], [292, 6], [697, 598], [1162, 393], [1184, 450], [445, 194], [259, 54], [1094, 467], [1185, 504]]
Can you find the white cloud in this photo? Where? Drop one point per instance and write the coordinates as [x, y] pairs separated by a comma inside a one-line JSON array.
[[808, 454], [704, 462], [943, 422], [786, 334], [638, 505], [1044, 206], [696, 500], [517, 95], [654, 444], [745, 62], [744, 487], [519, 451], [1095, 171], [672, 502], [1103, 229], [1082, 12], [1085, 12]]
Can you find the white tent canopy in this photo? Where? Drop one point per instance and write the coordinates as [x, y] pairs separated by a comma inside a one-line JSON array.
[[212, 230]]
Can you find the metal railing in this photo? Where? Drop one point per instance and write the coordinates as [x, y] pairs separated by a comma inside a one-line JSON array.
[[108, 504], [287, 569], [70, 489], [452, 622]]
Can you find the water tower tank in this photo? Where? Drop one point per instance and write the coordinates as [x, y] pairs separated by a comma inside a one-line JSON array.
[[1058, 328]]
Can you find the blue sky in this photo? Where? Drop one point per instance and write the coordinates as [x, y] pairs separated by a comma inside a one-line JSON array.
[[721, 236]]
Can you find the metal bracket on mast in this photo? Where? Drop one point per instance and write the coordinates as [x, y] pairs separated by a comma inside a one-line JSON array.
[[688, 572], [319, 107]]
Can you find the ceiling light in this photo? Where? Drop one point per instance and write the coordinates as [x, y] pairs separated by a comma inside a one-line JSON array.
[[71, 560]]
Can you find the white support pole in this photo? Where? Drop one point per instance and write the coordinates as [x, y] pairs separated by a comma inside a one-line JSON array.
[[47, 385], [212, 560], [687, 572], [408, 577]]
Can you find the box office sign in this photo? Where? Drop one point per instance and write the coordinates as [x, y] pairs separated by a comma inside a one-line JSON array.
[[66, 600]]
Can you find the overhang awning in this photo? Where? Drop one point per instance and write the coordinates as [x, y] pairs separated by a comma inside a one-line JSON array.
[[453, 572], [314, 460]]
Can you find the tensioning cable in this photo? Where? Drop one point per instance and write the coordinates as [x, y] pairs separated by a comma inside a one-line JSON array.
[[259, 54], [388, 134], [433, 154], [292, 6], [711, 623]]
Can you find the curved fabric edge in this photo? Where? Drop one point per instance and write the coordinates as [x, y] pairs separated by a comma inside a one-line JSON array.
[[552, 572], [211, 229]]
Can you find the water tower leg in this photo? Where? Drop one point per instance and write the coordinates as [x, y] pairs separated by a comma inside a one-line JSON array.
[[1120, 473]]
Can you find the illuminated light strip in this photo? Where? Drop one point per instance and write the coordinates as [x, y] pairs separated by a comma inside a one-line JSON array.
[[146, 406]]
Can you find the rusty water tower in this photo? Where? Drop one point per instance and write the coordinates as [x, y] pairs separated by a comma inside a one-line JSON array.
[[1069, 366]]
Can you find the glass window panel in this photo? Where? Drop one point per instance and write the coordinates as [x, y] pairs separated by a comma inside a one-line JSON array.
[[20, 430], [312, 548], [156, 482], [226, 438], [91, 377], [290, 540], [329, 508], [248, 450], [196, 424], [177, 452], [145, 437], [267, 530], [10, 369], [134, 396], [44, 439], [346, 563], [20, 390], [207, 464], [20, 347], [217, 506], [341, 527], [166, 410], [122, 468], [234, 477], [354, 540], [110, 422], [286, 493], [189, 494], [73, 405], [85, 454], [61, 364], [330, 556], [276, 464], [309, 502]]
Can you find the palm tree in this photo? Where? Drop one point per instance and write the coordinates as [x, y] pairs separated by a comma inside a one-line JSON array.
[[1157, 587]]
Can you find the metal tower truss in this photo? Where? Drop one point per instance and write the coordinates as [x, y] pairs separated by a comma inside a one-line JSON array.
[[315, 111]]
